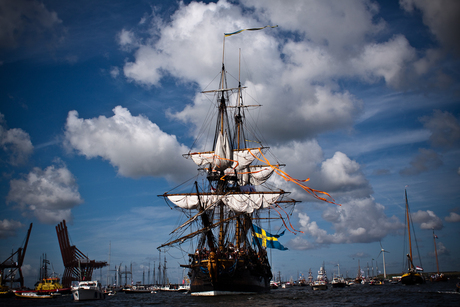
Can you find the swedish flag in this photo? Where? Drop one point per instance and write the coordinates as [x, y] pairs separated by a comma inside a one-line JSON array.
[[266, 239]]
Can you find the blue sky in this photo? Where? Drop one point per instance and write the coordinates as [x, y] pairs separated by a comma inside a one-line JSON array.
[[100, 100]]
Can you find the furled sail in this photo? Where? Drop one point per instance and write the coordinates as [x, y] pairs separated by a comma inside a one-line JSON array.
[[223, 154], [255, 175], [245, 202], [241, 157]]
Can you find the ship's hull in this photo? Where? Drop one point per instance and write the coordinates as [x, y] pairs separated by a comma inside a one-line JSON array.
[[412, 279], [319, 286], [338, 284], [238, 278], [87, 294]]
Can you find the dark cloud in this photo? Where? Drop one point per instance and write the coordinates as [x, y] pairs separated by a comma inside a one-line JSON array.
[[23, 21], [445, 129], [426, 160]]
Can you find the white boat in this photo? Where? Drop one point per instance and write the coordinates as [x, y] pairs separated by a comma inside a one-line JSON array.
[[87, 290], [33, 295], [321, 280], [338, 281]]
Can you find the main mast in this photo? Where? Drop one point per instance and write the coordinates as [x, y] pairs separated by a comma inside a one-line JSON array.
[[408, 232]]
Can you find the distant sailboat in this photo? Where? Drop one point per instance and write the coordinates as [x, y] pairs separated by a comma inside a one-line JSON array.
[[412, 277], [359, 277], [438, 276]]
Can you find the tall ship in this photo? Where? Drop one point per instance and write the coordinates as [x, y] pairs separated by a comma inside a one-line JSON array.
[[229, 205], [412, 276]]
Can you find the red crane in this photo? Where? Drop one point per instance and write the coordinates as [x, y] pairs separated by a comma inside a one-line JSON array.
[[77, 265]]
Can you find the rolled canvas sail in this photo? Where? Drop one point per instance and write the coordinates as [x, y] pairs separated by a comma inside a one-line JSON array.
[[238, 202]]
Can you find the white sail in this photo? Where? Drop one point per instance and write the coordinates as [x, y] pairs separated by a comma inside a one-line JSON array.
[[241, 157], [202, 158], [238, 202], [223, 155], [256, 175], [244, 157], [190, 201], [247, 203]]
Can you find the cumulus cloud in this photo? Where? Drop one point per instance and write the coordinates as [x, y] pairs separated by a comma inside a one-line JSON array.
[[444, 127], [48, 194], [341, 29], [23, 20], [133, 144], [306, 69], [360, 219], [8, 228], [387, 61], [427, 219], [15, 143], [311, 51], [357, 221], [452, 218], [426, 160], [341, 174]]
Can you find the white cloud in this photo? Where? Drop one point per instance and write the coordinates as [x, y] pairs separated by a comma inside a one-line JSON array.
[[8, 228], [126, 37], [427, 219], [357, 221], [16, 143], [114, 72], [360, 219], [301, 80], [340, 173], [452, 218], [133, 144], [341, 26], [48, 194], [387, 60]]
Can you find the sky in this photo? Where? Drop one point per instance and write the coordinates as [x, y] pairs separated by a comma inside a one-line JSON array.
[[100, 99]]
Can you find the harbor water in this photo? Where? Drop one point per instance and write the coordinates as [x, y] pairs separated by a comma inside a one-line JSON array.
[[429, 294]]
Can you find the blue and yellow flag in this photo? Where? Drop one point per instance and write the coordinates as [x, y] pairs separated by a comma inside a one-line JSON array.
[[250, 29], [266, 239]]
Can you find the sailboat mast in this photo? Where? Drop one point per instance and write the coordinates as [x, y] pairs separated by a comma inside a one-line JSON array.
[[408, 231], [222, 110], [238, 126], [436, 252]]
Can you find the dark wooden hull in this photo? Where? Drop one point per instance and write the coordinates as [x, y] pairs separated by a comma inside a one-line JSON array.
[[237, 277]]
